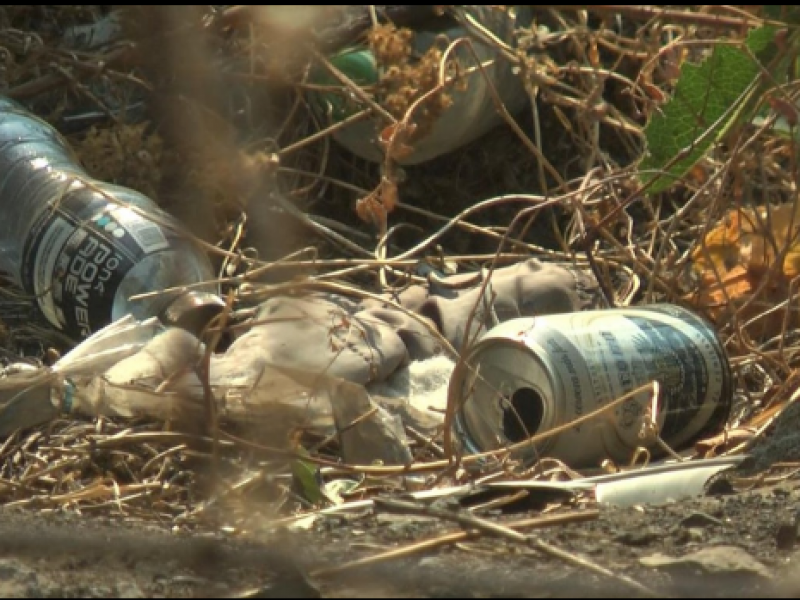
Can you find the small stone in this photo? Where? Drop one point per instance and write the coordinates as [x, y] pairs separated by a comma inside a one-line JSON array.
[[718, 560], [638, 538]]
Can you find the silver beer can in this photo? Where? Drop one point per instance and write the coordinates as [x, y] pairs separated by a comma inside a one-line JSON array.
[[527, 376]]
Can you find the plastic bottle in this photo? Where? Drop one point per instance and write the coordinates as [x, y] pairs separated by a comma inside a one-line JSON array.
[[472, 112], [81, 246]]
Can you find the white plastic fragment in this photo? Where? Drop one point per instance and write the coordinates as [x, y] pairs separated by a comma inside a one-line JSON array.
[[660, 484]]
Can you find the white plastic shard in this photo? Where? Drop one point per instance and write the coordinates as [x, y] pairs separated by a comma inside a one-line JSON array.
[[107, 347], [662, 483]]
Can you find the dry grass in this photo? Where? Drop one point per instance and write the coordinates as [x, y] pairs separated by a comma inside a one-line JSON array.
[[228, 134]]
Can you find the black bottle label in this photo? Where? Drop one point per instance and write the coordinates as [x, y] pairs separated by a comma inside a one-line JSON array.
[[79, 252]]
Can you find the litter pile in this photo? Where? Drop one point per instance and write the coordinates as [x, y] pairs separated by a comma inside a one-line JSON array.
[[460, 252]]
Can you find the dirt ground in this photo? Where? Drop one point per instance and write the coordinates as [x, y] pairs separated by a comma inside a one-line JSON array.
[[746, 546]]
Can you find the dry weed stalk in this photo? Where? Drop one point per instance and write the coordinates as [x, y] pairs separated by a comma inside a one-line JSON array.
[[594, 74]]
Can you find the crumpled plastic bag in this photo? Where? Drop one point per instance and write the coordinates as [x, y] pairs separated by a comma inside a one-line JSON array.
[[366, 341], [305, 363]]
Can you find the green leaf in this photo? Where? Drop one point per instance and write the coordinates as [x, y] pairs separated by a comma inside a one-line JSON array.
[[306, 478], [691, 122]]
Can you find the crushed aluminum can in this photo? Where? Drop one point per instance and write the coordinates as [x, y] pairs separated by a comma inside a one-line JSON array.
[[530, 375]]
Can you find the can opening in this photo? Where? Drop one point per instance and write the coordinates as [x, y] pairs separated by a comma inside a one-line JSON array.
[[524, 416]]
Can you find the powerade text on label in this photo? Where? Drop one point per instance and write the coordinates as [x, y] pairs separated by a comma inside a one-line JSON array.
[[81, 249]]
